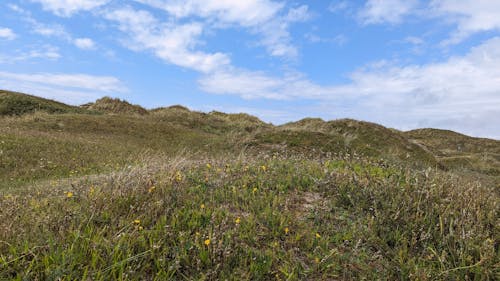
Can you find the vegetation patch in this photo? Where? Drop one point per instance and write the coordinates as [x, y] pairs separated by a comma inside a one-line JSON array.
[[176, 194]]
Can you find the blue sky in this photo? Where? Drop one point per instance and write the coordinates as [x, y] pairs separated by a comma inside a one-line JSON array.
[[404, 64]]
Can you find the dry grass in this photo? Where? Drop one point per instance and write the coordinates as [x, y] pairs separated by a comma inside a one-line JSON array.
[[177, 194], [281, 218]]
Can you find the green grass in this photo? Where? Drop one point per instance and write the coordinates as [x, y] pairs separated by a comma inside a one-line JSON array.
[[12, 103], [279, 219], [115, 106], [176, 194]]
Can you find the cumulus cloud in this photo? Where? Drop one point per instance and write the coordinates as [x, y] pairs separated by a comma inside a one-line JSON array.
[[70, 88], [267, 18], [386, 11], [174, 43], [66, 8], [470, 16], [7, 33]]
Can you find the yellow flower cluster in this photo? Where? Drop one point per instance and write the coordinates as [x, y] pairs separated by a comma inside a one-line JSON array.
[[178, 176], [138, 225]]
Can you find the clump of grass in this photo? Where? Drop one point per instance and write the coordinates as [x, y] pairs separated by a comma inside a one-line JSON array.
[[284, 218], [116, 106]]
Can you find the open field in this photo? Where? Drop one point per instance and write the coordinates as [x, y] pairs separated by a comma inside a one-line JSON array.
[[111, 191]]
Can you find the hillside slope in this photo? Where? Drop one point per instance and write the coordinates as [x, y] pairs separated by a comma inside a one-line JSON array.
[[457, 151], [349, 136], [12, 103], [115, 105], [36, 146], [175, 194]]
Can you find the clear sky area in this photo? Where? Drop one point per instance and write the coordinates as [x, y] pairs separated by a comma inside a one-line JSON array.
[[402, 63]]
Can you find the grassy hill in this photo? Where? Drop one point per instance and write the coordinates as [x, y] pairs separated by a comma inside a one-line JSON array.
[[459, 152], [116, 106], [112, 191], [12, 103]]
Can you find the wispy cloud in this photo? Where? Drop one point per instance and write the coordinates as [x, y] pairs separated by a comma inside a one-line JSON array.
[[470, 16], [7, 33], [245, 13], [41, 52], [386, 11], [71, 88], [84, 43], [409, 96], [66, 8], [338, 6], [269, 19], [174, 43], [53, 30], [339, 40]]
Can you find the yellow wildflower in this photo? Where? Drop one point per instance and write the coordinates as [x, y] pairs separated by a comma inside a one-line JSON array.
[[69, 194], [254, 190], [264, 168], [317, 235], [316, 260], [178, 176], [140, 228], [287, 230], [137, 221], [202, 206], [238, 220], [209, 166], [151, 189], [207, 242]]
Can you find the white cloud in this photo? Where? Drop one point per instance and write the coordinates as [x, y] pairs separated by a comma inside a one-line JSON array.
[[254, 84], [470, 16], [70, 88], [275, 33], [460, 88], [7, 33], [174, 43], [339, 40], [50, 30], [245, 13], [84, 43], [79, 81], [414, 40], [338, 6], [66, 8], [41, 52], [263, 17], [386, 11]]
